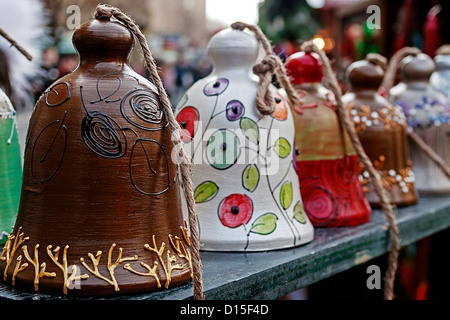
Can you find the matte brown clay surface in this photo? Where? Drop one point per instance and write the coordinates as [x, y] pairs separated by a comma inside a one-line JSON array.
[[99, 181], [381, 128]]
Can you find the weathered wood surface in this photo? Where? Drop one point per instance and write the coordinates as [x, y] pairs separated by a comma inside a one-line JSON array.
[[268, 275]]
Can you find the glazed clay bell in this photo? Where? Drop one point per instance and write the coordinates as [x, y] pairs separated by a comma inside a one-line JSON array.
[[327, 164], [440, 78], [100, 210], [246, 186], [381, 127], [10, 167], [428, 114]]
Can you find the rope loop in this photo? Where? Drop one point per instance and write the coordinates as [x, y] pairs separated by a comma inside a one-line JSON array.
[[271, 64], [267, 65], [108, 11], [345, 120]]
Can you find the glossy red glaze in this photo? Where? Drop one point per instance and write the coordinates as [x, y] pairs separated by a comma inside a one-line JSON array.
[[331, 192], [304, 67]]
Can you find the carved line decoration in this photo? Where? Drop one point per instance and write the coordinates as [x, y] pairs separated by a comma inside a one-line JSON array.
[[56, 93], [42, 160], [61, 92], [102, 135], [105, 137], [144, 107], [71, 274]]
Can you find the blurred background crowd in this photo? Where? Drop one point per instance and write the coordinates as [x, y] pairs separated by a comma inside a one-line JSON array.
[[178, 32]]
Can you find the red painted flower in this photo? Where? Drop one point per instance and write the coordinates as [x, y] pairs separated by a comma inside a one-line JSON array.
[[235, 210], [188, 120]]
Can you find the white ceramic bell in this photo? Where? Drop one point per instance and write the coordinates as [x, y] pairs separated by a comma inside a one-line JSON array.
[[440, 79], [246, 186], [428, 113]]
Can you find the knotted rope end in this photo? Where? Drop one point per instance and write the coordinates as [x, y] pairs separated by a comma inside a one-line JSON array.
[[238, 25], [103, 11]]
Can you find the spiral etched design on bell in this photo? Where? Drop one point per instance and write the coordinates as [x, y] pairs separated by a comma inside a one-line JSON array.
[[103, 135], [142, 110]]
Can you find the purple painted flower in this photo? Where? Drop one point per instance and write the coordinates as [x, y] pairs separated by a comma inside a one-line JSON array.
[[426, 103], [216, 87], [426, 113], [404, 105], [235, 110]]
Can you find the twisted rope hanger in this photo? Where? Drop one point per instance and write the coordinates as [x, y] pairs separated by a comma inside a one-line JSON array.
[[270, 64], [344, 118], [391, 70], [107, 11]]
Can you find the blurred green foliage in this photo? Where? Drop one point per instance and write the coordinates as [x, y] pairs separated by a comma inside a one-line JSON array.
[[288, 20]]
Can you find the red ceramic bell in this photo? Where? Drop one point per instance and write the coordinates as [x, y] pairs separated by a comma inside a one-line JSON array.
[[100, 207], [381, 128], [327, 164]]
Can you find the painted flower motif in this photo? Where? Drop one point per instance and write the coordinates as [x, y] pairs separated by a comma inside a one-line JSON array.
[[235, 210], [235, 109], [222, 149], [426, 113], [216, 87], [188, 120], [280, 106]]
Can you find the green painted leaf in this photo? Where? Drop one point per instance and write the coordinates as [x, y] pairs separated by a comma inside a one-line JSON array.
[[250, 177], [286, 194], [182, 102], [222, 149], [282, 148], [250, 128], [299, 213], [205, 191], [265, 224]]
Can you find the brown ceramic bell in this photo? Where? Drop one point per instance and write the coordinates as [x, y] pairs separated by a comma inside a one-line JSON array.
[[100, 206], [381, 128]]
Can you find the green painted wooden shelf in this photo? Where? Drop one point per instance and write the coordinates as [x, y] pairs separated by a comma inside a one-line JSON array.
[[271, 274]]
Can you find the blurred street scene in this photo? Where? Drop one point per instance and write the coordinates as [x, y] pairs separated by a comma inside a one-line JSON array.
[[178, 32]]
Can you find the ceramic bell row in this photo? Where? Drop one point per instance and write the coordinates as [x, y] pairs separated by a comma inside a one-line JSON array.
[[244, 170], [381, 127], [440, 78], [428, 113], [10, 167], [100, 209], [328, 166]]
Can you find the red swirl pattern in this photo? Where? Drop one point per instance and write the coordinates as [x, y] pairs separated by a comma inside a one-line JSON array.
[[331, 192]]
